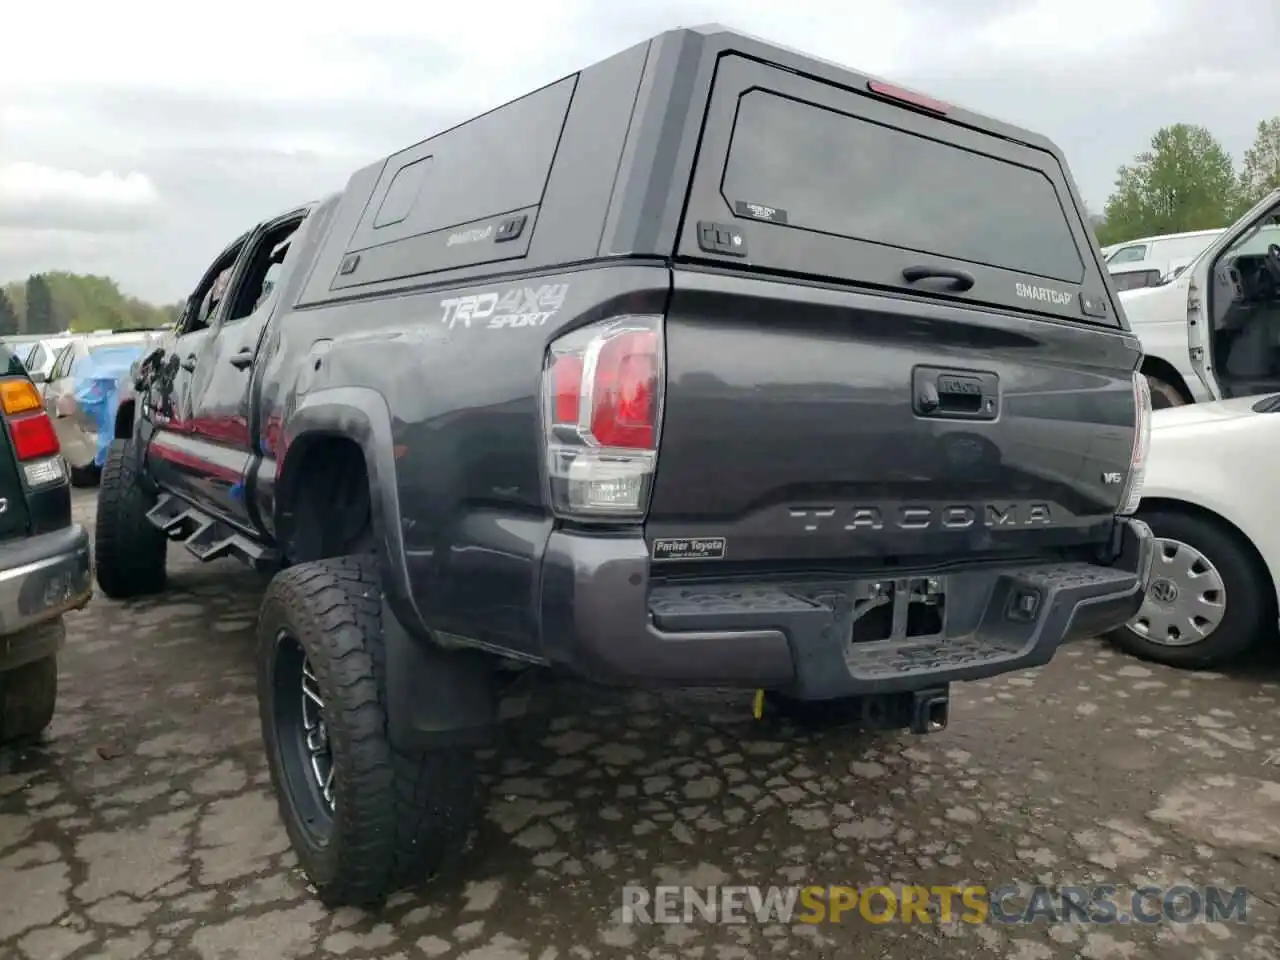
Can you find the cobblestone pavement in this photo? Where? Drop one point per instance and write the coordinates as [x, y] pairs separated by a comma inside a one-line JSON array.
[[144, 826]]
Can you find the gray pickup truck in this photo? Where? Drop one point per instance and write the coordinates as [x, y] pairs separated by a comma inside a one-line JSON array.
[[708, 365]]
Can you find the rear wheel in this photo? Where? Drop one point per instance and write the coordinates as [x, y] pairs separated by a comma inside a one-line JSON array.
[[365, 819], [28, 695], [1164, 394], [1206, 604], [129, 551]]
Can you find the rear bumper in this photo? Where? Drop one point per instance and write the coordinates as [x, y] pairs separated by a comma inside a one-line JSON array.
[[602, 617], [41, 578]]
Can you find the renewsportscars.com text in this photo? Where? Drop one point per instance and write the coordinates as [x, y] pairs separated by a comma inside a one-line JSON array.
[[1007, 904]]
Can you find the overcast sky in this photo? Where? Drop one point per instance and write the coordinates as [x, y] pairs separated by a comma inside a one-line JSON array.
[[138, 138]]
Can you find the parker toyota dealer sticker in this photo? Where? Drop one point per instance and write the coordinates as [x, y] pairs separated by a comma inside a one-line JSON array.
[[689, 548]]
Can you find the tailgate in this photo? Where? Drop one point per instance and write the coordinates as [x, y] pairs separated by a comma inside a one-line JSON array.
[[803, 423], [889, 337]]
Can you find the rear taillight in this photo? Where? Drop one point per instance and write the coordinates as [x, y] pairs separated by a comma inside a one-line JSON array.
[[602, 405], [31, 433], [1132, 495]]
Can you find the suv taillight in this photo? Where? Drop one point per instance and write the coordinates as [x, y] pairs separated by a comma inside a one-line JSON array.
[[1132, 495], [602, 407], [31, 433]]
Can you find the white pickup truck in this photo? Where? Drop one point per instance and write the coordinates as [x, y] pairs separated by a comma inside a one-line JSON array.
[[1213, 331]]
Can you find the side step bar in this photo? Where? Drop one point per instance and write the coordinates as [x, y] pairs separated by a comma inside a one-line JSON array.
[[207, 537]]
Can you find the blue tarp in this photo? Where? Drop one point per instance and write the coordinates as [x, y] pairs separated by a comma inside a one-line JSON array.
[[98, 377]]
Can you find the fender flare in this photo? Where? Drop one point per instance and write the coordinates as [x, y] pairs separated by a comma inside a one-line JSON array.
[[359, 414], [434, 696]]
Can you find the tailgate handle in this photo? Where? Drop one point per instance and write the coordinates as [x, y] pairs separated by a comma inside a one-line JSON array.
[[961, 280], [955, 394]]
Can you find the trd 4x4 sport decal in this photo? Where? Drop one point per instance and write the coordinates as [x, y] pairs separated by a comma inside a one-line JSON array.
[[497, 310]]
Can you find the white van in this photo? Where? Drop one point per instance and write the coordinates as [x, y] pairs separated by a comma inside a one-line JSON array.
[[1162, 253], [1213, 331]]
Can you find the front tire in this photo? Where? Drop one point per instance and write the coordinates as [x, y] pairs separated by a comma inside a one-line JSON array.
[[29, 695], [365, 819], [1207, 603], [129, 551]]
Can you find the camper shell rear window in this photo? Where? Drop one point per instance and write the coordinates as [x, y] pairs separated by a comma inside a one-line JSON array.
[[847, 183], [851, 177]]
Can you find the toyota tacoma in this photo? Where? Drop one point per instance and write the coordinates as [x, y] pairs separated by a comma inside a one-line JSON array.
[[711, 364]]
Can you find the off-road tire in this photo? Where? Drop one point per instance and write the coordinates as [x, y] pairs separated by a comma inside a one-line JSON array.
[[88, 476], [398, 817], [28, 696], [129, 551], [1164, 394], [1244, 581]]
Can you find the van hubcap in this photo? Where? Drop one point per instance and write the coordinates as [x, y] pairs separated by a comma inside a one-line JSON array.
[[1186, 600]]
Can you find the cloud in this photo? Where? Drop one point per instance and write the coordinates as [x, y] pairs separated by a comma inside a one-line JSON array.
[[44, 198], [24, 252], [1049, 33], [39, 246], [217, 122]]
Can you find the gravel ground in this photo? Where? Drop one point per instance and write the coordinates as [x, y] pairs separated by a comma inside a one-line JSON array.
[[144, 826]]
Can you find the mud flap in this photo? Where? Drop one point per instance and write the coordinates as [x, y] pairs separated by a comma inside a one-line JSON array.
[[435, 697]]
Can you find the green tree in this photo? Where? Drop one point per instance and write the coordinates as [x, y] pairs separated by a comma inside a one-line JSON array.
[[40, 317], [84, 302], [17, 294], [1260, 171], [9, 324], [1184, 182]]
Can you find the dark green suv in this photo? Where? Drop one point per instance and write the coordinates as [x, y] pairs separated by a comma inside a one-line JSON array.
[[44, 557]]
